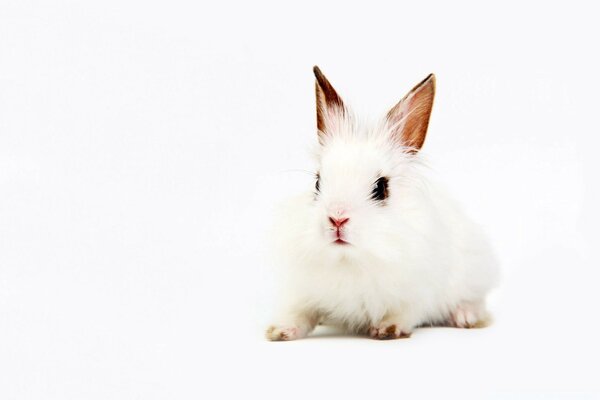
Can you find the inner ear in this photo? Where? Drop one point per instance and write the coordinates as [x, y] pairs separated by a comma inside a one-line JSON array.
[[329, 103], [408, 120]]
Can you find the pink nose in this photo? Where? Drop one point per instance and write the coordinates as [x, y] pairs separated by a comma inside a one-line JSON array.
[[338, 222]]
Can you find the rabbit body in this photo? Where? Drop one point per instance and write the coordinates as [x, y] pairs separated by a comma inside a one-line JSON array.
[[377, 247]]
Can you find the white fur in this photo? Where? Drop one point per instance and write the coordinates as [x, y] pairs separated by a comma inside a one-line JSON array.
[[414, 260]]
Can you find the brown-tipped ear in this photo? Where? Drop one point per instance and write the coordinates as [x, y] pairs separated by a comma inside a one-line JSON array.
[[410, 117], [329, 102]]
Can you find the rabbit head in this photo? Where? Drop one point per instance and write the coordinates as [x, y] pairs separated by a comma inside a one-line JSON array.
[[366, 174]]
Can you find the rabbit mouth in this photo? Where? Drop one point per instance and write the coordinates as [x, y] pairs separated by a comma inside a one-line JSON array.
[[340, 241], [338, 236]]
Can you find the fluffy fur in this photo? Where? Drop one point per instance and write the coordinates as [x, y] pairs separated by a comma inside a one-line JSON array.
[[413, 259]]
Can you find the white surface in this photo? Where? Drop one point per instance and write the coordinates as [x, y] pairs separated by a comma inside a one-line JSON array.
[[143, 146]]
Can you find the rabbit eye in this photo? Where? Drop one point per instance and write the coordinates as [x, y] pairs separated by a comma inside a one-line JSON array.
[[380, 191], [317, 185]]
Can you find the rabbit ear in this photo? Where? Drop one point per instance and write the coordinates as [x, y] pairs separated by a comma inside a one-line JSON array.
[[329, 104], [408, 120]]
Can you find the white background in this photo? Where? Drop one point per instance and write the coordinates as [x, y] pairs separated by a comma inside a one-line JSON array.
[[143, 146]]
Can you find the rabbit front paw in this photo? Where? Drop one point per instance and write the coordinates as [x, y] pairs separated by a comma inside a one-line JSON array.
[[386, 331], [283, 333]]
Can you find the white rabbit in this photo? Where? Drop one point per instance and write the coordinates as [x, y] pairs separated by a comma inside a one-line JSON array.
[[376, 247]]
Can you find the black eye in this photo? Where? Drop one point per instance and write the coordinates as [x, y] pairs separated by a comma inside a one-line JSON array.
[[317, 186], [380, 192]]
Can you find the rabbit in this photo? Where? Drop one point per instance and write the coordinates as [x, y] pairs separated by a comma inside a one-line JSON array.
[[376, 247]]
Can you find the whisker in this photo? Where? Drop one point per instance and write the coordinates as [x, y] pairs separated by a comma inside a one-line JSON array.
[[301, 170]]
